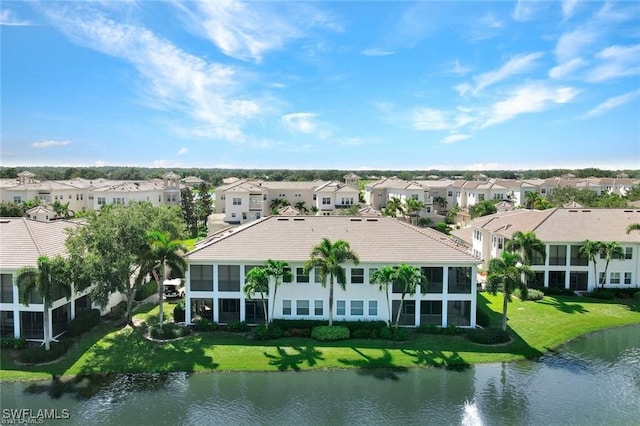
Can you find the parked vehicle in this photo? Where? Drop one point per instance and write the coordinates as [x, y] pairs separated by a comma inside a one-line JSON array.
[[173, 289]]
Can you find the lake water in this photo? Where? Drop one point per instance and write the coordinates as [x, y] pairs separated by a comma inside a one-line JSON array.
[[594, 380]]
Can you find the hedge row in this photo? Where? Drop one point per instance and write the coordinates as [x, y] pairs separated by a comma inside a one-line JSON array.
[[146, 290]]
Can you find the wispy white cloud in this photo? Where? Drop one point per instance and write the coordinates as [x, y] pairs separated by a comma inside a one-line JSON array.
[[567, 70], [7, 18], [249, 30], [455, 137], [377, 51], [575, 43], [611, 103], [305, 122], [183, 151], [616, 62], [460, 69], [430, 119], [568, 8], [205, 92], [524, 10], [530, 98], [50, 143], [516, 65]]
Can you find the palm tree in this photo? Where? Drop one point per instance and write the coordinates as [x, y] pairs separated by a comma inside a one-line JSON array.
[[506, 274], [394, 207], [383, 277], [527, 244], [161, 253], [326, 259], [633, 227], [45, 279], [279, 270], [408, 278], [610, 251], [300, 206], [591, 249], [531, 198], [440, 203], [257, 281], [414, 207]]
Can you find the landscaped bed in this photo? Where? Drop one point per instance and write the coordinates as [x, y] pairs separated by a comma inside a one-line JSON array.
[[535, 327]]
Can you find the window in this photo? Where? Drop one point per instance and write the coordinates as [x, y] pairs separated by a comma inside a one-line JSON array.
[[316, 276], [201, 277], [229, 277], [341, 307], [101, 201], [301, 277], [6, 284], [431, 312], [500, 243], [628, 253], [371, 272], [326, 201], [615, 278], [602, 278], [627, 277], [357, 275], [286, 307], [318, 308], [17, 199], [576, 258], [414, 196], [449, 193], [435, 279], [357, 308], [373, 308], [459, 279], [459, 313], [557, 255], [237, 201], [557, 279], [287, 278], [302, 307]]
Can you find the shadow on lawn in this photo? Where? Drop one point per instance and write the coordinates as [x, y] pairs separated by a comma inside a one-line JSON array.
[[285, 361], [561, 305], [427, 357], [128, 352], [380, 368]]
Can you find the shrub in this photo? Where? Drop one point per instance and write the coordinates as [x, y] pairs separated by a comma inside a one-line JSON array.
[[238, 326], [83, 322], [203, 324], [273, 332], [297, 332], [488, 336], [179, 312], [146, 290], [636, 295], [397, 334], [450, 330], [168, 331], [602, 293], [624, 293], [327, 333], [532, 294], [118, 311], [310, 324], [12, 342], [364, 333], [552, 291], [38, 354]]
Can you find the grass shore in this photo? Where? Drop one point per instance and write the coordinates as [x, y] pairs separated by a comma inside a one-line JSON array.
[[536, 327]]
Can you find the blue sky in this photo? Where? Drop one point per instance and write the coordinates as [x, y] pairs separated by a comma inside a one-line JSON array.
[[346, 85]]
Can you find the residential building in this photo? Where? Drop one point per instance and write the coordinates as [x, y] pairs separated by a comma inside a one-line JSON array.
[[378, 193], [217, 269], [563, 231], [90, 194], [245, 200], [23, 241]]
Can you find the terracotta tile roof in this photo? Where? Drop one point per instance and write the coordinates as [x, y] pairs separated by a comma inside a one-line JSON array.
[[23, 240], [375, 240]]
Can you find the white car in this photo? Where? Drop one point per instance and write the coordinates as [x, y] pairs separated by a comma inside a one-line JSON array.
[[173, 289]]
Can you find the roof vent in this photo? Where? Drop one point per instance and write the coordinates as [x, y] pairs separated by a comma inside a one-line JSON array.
[[299, 219], [573, 211], [5, 221], [355, 219], [283, 219], [372, 220], [628, 211], [586, 211]]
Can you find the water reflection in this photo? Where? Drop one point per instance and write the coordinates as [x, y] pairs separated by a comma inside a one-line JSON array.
[[593, 380]]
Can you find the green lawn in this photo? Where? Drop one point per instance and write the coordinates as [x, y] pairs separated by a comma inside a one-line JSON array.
[[535, 326]]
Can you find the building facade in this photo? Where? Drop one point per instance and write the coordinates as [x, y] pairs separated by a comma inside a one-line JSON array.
[[218, 267]]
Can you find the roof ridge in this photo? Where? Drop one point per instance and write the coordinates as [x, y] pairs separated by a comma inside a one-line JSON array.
[[229, 231], [552, 212], [431, 234], [33, 237]]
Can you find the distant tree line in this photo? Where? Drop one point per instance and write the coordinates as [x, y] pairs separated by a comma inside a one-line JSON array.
[[216, 176]]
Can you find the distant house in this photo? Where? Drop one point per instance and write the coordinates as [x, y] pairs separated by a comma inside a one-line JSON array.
[[563, 231], [217, 270]]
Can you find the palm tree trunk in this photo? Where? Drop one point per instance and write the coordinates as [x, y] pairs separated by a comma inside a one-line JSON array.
[[504, 313], [388, 309], [273, 302], [160, 293], [399, 311], [45, 330], [130, 297], [595, 273], [331, 301], [264, 308]]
